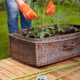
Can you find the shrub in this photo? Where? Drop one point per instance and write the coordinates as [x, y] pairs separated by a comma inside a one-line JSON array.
[[2, 4]]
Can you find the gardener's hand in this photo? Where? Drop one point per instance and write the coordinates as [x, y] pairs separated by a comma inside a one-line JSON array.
[[27, 11], [50, 8]]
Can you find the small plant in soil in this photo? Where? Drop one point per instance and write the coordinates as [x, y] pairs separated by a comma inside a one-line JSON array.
[[44, 25]]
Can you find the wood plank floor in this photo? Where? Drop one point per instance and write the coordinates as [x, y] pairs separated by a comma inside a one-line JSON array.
[[10, 68]]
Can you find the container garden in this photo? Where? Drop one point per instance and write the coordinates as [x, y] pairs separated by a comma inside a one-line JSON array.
[[44, 51]]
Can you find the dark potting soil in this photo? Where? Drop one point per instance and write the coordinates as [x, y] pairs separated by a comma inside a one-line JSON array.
[[24, 33], [58, 33]]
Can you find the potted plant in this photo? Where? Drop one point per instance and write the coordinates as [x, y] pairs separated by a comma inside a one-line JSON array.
[[46, 43]]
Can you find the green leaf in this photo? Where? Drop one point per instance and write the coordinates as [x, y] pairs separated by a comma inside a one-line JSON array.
[[42, 34]]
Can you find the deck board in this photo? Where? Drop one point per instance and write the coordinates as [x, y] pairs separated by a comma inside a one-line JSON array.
[[73, 76], [10, 68]]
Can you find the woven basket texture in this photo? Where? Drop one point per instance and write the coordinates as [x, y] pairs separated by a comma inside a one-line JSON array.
[[37, 52]]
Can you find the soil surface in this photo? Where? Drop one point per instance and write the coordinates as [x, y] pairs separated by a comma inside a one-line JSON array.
[[24, 32]]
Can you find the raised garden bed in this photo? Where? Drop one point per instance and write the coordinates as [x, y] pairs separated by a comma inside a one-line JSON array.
[[40, 52]]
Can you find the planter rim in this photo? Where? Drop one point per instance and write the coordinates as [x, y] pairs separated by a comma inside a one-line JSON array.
[[47, 39]]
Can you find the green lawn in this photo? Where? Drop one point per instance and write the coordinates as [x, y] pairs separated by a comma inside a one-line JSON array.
[[74, 13], [4, 29], [3, 35]]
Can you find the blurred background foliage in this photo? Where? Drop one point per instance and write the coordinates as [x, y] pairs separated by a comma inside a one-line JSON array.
[[2, 4], [56, 2]]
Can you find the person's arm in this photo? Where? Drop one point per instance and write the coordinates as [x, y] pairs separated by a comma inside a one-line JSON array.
[[26, 10]]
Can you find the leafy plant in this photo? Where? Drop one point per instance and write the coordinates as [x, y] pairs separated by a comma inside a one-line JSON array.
[[44, 25]]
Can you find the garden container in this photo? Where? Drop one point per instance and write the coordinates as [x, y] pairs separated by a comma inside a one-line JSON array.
[[40, 52]]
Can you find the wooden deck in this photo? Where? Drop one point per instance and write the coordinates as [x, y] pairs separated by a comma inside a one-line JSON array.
[[10, 68]]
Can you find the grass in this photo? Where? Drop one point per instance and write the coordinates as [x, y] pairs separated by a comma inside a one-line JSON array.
[[4, 53], [3, 35], [74, 13]]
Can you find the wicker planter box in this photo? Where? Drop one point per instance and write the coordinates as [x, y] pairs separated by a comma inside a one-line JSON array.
[[49, 50]]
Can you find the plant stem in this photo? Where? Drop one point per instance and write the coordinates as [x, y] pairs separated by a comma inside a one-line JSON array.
[[66, 73], [51, 69], [64, 66]]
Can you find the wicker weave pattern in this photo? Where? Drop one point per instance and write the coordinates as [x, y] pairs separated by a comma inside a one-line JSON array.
[[38, 52]]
